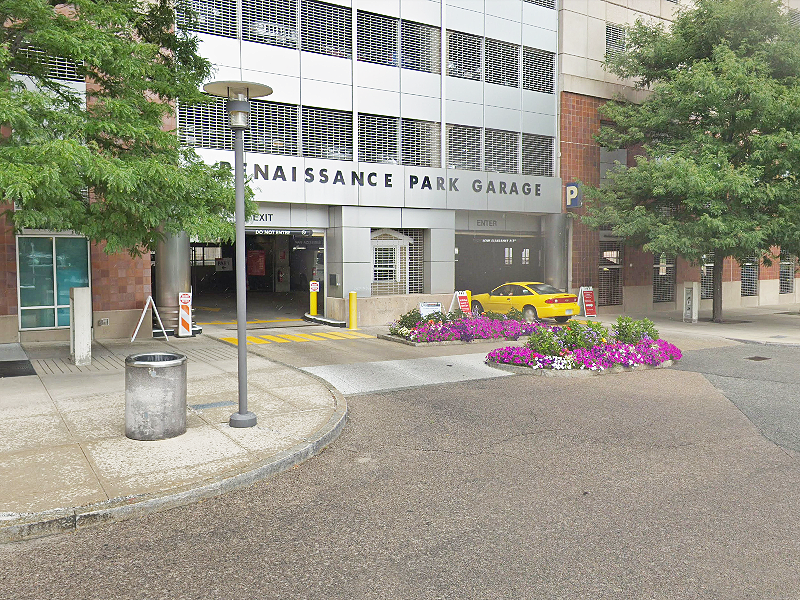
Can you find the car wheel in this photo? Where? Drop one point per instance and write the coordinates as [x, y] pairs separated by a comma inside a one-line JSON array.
[[562, 319], [530, 314], [477, 307]]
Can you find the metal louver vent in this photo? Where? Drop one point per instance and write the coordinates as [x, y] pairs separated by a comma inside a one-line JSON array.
[[464, 147], [794, 17], [501, 62], [327, 133], [378, 139], [502, 151], [707, 276], [421, 143], [544, 3], [750, 277], [205, 125], [326, 29], [273, 128], [615, 40], [420, 47], [415, 262], [272, 22], [538, 70], [464, 55], [377, 39], [609, 279], [537, 155], [663, 278], [217, 17], [787, 273], [55, 67]]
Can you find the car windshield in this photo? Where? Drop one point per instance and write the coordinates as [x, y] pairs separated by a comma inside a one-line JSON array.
[[544, 288]]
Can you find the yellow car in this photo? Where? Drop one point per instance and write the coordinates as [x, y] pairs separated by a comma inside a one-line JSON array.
[[534, 300]]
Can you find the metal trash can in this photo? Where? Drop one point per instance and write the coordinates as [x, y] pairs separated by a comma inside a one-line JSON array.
[[155, 395]]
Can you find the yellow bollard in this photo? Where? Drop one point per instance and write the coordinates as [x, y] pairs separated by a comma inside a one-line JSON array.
[[313, 307], [352, 324]]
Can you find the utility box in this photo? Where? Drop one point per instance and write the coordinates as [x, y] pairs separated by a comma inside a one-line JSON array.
[[691, 301]]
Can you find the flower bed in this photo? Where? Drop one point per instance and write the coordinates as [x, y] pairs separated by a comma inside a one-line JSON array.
[[576, 346], [465, 330], [592, 347], [597, 358]]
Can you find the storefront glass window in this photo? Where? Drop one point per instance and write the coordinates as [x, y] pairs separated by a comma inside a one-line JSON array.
[[44, 283]]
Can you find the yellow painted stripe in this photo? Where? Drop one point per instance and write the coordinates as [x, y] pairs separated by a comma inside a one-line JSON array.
[[273, 338], [333, 336], [346, 336], [293, 338], [254, 340], [359, 335], [230, 340], [310, 336]]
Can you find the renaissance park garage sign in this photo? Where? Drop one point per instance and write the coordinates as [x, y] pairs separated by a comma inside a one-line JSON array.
[[286, 179]]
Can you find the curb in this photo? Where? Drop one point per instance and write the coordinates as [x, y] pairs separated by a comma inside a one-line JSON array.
[[16, 527], [520, 370]]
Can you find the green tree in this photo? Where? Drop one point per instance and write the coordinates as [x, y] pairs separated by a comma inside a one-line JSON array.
[[104, 165], [719, 135]]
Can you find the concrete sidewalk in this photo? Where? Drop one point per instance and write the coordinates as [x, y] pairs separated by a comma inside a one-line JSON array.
[[66, 463], [65, 460]]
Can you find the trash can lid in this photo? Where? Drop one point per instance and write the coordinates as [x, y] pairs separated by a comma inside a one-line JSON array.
[[155, 359]]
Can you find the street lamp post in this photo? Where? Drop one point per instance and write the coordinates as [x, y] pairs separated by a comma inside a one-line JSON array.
[[239, 94]]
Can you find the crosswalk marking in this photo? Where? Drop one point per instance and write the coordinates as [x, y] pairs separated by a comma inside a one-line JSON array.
[[251, 339], [312, 337], [334, 336], [293, 338], [276, 339]]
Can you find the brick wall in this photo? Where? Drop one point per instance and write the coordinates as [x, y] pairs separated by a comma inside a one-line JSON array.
[[119, 281], [8, 264], [580, 161]]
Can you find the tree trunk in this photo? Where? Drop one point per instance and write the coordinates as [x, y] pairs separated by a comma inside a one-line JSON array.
[[719, 259]]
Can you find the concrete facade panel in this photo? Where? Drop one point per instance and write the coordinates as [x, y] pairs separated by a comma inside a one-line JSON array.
[[464, 113], [378, 77], [462, 19], [503, 29]]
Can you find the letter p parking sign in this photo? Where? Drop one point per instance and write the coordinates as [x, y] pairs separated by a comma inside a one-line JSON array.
[[574, 196]]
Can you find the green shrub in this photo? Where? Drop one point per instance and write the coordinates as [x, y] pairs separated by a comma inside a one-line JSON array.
[[544, 341], [410, 319], [515, 314], [631, 331], [494, 316]]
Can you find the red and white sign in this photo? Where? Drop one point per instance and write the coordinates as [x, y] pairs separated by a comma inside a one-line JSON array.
[[586, 300], [185, 314], [460, 299], [314, 285]]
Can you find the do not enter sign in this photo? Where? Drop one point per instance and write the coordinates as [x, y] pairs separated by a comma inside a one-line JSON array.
[[314, 286]]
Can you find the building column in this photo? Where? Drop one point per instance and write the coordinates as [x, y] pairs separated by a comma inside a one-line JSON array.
[[555, 250], [172, 277]]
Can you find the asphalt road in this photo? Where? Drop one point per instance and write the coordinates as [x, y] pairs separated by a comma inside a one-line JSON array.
[[640, 485]]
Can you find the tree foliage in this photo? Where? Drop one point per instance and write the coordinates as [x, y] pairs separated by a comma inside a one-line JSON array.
[[59, 148], [719, 134]]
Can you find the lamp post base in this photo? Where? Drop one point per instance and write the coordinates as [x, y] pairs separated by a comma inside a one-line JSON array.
[[247, 419]]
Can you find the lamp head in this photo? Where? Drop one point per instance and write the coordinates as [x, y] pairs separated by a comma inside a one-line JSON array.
[[239, 94]]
